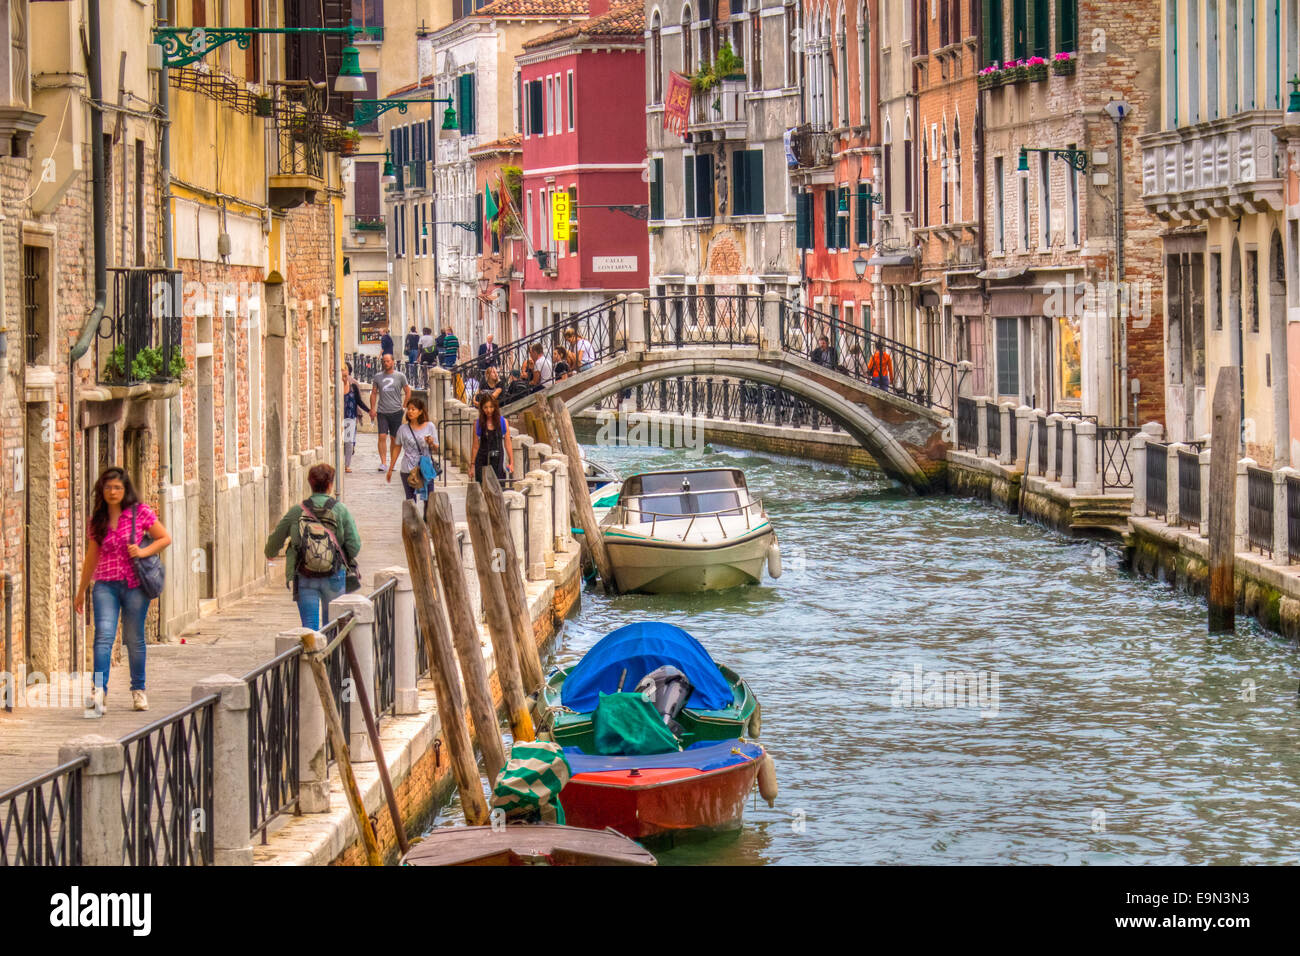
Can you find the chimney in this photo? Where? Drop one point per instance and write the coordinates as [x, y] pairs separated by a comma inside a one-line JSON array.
[[596, 8]]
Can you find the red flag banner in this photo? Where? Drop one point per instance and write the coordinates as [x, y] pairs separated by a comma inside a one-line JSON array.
[[677, 104]]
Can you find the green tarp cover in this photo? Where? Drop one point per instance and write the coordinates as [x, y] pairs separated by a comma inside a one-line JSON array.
[[531, 781], [628, 724]]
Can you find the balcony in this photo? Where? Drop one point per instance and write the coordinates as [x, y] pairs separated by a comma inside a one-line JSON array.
[[1221, 169], [140, 334], [367, 223], [721, 110], [814, 154]]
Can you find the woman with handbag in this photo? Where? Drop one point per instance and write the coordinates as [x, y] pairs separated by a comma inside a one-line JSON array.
[[492, 447], [122, 564], [418, 438]]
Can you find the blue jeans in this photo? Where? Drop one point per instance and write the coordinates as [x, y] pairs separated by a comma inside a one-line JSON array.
[[314, 596], [109, 599]]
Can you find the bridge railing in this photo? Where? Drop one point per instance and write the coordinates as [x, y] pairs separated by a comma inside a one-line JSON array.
[[681, 321], [903, 370], [722, 399], [603, 325]]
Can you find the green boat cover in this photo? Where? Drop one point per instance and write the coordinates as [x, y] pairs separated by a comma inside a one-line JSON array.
[[628, 724], [531, 781]]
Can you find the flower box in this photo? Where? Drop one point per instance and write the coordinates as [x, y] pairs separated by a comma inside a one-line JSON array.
[[1017, 74], [263, 106], [1064, 64], [986, 81], [1037, 72]]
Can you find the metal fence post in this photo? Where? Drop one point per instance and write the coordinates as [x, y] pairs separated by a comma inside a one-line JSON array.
[[363, 645], [313, 764], [406, 654], [1066, 477], [1085, 479], [981, 427], [232, 843], [1242, 530], [103, 836]]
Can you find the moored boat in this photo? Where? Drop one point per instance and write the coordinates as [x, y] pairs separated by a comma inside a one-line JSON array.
[[688, 530], [538, 844]]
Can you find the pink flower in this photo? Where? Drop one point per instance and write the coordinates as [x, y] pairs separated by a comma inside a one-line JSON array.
[[1063, 56], [1035, 61], [989, 70]]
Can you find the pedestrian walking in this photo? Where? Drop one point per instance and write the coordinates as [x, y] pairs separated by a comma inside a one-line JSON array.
[[123, 532], [417, 438], [386, 343], [583, 354], [412, 345], [428, 347], [323, 542], [489, 354], [352, 401], [450, 348], [492, 447], [880, 369], [388, 396]]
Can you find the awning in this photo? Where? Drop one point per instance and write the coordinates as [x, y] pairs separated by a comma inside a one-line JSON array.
[[901, 259], [1001, 273], [926, 284]]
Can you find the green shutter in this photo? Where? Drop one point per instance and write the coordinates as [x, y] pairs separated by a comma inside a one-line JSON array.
[[465, 102], [688, 189], [704, 187], [754, 180], [1020, 27], [1067, 25], [828, 227], [993, 32], [739, 192], [657, 190], [478, 224], [863, 215], [803, 220], [1040, 32]]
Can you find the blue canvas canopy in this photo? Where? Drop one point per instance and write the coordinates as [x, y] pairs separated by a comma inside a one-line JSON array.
[[641, 648]]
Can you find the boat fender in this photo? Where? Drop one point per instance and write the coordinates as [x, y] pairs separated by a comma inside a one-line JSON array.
[[774, 559], [755, 723], [767, 780]]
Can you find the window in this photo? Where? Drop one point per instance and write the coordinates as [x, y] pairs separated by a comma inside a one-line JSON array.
[[1252, 288], [828, 223], [365, 196], [656, 60], [1020, 29], [519, 102], [862, 223], [999, 211], [1248, 55], [688, 54], [1212, 59], [803, 227], [573, 229], [478, 224], [1067, 25], [956, 169], [1072, 203], [549, 106], [657, 188], [36, 304], [1216, 289], [1273, 53], [536, 106], [1171, 63], [791, 55], [945, 34], [864, 66], [747, 179], [889, 175], [465, 102], [1008, 356], [842, 64], [1292, 38], [1193, 61], [528, 217], [993, 21], [907, 165], [756, 48], [842, 219], [569, 79], [1044, 200], [1024, 214], [1232, 102]]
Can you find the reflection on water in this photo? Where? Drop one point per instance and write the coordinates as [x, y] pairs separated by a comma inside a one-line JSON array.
[[941, 684]]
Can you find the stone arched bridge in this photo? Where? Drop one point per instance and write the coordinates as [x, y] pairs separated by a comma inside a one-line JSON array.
[[906, 427]]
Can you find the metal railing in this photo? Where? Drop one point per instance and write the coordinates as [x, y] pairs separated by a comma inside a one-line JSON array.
[[385, 638], [722, 400], [1060, 450], [1189, 488], [40, 819], [1112, 455], [1292, 519], [902, 370], [141, 329], [336, 667], [1157, 479], [1013, 436], [993, 425], [1040, 426], [167, 789], [367, 223], [1259, 509], [746, 511], [967, 423], [366, 366], [603, 326], [273, 726], [682, 321]]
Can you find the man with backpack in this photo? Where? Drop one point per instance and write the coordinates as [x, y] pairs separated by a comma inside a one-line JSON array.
[[323, 548]]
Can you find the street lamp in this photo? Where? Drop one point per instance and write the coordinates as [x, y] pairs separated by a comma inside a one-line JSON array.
[[389, 175], [350, 78], [1078, 158], [367, 111], [860, 266]]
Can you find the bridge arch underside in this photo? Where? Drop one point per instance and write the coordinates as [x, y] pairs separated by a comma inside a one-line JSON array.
[[906, 442]]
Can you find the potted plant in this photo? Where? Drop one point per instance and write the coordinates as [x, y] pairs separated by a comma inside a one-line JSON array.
[[263, 105], [989, 77], [1017, 71], [1037, 69], [348, 140], [1064, 64]]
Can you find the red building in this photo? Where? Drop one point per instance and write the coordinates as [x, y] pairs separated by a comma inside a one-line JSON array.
[[500, 265], [582, 110]]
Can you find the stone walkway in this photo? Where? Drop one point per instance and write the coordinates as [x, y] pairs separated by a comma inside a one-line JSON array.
[[232, 641]]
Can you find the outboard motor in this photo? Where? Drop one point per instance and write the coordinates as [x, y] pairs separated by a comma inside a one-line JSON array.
[[669, 690]]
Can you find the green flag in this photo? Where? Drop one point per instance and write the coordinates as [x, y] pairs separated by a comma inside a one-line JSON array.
[[490, 205]]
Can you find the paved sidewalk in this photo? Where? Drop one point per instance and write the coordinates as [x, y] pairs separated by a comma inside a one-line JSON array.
[[232, 641]]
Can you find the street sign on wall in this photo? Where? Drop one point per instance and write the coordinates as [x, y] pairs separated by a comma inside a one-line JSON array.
[[613, 263]]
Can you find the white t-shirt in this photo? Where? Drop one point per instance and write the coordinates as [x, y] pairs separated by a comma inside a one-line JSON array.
[[426, 342], [585, 353], [413, 444], [544, 370]]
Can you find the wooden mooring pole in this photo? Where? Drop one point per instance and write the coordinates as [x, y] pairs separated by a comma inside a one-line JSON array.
[[530, 662], [442, 667], [339, 743], [1225, 434], [489, 565], [464, 634], [372, 729], [561, 426]]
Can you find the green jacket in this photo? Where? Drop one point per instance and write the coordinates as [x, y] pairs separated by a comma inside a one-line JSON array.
[[344, 527]]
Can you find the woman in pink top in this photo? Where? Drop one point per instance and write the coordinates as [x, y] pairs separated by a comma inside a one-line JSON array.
[[117, 592]]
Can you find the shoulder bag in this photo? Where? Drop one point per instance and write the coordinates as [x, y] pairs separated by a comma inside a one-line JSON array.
[[148, 570]]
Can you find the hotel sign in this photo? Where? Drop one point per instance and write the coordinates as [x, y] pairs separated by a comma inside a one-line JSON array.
[[613, 263]]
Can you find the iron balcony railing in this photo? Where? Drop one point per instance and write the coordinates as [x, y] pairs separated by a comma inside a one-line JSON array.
[[141, 329], [1112, 456], [993, 425], [681, 321], [1259, 509], [385, 642], [1157, 479], [273, 727], [40, 819], [603, 326], [869, 357], [167, 789], [367, 223], [1292, 519], [967, 423], [1189, 488]]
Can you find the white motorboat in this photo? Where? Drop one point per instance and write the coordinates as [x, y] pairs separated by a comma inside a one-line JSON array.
[[603, 486], [689, 530]]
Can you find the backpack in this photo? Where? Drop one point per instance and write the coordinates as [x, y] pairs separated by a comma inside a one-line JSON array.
[[318, 549]]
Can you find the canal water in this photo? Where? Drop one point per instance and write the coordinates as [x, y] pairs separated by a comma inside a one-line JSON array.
[[941, 684]]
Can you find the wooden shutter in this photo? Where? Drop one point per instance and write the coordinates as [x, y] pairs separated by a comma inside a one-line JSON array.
[[688, 171], [754, 180], [803, 220], [365, 200], [465, 102], [537, 119], [704, 187], [828, 207], [656, 190], [1067, 25], [863, 212]]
